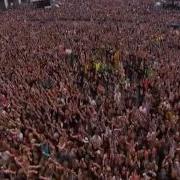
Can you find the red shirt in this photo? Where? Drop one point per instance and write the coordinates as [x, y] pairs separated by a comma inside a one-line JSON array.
[[145, 83]]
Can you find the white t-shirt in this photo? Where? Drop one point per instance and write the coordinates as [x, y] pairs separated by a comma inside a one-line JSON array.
[[143, 109]]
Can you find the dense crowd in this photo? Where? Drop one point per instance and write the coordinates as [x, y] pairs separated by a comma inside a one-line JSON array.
[[90, 90]]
